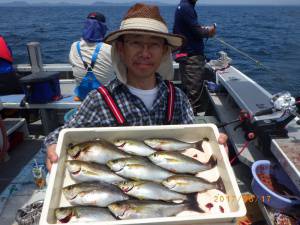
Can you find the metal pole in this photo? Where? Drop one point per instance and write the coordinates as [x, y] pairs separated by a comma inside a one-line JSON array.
[[35, 56]]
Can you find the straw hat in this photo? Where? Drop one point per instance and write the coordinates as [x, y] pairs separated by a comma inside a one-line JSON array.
[[145, 20]]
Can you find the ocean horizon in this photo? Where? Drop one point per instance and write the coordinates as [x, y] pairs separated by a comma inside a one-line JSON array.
[[269, 34]]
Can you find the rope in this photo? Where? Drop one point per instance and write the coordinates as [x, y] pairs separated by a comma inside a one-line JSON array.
[[240, 152], [250, 57]]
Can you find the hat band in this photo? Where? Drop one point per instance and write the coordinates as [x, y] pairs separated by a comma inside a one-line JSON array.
[[144, 24]]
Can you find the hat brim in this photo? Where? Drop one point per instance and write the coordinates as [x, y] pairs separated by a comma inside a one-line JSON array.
[[175, 41]]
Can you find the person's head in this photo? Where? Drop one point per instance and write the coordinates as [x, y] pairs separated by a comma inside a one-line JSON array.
[[142, 45], [94, 27]]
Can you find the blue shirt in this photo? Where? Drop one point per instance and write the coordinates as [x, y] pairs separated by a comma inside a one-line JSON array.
[[5, 67], [186, 24], [94, 112]]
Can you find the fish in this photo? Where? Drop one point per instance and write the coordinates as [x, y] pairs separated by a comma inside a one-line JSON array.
[[134, 147], [187, 184], [169, 144], [99, 151], [136, 209], [138, 168], [88, 171], [82, 214], [177, 162], [93, 194], [150, 190]]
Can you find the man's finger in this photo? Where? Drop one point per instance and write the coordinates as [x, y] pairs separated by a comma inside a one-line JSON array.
[[48, 164], [223, 138], [52, 156]]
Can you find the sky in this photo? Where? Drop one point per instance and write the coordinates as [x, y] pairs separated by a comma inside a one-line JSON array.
[[200, 2]]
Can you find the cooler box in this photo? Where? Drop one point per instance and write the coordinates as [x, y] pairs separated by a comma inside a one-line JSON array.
[[60, 177], [41, 87]]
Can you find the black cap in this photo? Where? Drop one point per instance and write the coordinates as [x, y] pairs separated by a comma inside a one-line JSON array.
[[97, 16]]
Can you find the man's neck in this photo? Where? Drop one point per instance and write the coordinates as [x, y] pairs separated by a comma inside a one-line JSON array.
[[143, 83]]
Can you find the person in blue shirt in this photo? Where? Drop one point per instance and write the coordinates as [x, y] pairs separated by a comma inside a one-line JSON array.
[[192, 62]]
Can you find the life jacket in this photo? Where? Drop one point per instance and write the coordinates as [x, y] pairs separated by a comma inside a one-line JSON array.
[[116, 112], [5, 52], [89, 81]]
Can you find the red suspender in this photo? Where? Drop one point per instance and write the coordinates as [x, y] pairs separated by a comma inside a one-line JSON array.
[[171, 99], [114, 109]]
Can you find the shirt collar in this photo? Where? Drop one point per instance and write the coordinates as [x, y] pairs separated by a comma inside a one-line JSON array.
[[189, 2], [115, 84]]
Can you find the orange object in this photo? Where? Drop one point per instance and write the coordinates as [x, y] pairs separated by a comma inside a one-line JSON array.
[[4, 51], [77, 99]]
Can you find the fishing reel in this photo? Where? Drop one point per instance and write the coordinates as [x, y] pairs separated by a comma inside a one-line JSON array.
[[271, 123], [268, 123]]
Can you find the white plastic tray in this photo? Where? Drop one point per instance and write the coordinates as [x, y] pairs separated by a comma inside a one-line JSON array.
[[189, 133]]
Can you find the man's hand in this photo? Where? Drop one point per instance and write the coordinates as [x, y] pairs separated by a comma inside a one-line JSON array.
[[223, 141], [212, 31], [51, 156]]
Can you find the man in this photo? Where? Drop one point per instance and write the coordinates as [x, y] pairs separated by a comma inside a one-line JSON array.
[[191, 66], [91, 54], [141, 55]]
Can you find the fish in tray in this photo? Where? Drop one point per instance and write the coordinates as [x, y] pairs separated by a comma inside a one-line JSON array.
[[169, 144], [190, 184], [93, 194], [99, 151], [138, 168], [82, 214], [135, 209], [177, 162], [150, 191], [88, 171], [134, 147]]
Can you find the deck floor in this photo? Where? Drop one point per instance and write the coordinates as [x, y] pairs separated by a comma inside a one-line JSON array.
[[18, 158]]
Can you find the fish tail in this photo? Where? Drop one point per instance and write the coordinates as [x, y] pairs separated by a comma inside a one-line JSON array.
[[220, 185], [212, 161], [198, 145]]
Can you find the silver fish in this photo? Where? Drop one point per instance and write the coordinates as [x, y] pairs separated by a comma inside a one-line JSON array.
[[87, 171], [134, 147], [82, 214], [177, 162], [137, 168], [93, 194], [99, 151], [189, 184], [149, 190], [169, 144], [145, 209]]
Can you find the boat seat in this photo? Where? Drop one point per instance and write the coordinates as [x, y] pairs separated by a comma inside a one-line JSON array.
[[249, 95], [15, 124]]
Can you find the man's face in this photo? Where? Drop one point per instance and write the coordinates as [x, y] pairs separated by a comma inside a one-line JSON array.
[[142, 54]]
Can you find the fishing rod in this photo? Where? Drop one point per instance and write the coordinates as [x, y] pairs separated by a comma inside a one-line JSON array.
[[248, 56]]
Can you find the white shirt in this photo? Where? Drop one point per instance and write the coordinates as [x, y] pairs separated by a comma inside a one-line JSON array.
[[147, 96], [103, 69]]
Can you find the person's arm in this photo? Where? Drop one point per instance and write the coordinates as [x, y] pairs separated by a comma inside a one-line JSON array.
[[190, 19], [82, 118]]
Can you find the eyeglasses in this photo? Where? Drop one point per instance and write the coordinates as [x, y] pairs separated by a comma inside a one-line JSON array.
[[153, 46]]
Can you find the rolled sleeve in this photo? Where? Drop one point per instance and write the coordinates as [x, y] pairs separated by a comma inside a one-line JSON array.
[[82, 118]]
